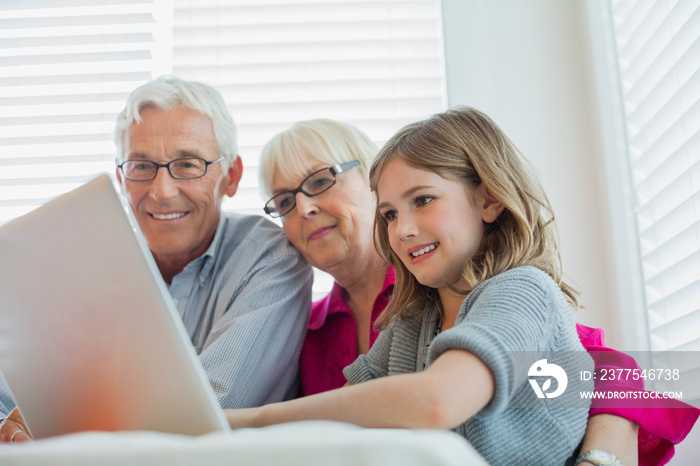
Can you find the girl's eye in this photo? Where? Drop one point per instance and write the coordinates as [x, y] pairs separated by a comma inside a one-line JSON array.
[[423, 200], [389, 215]]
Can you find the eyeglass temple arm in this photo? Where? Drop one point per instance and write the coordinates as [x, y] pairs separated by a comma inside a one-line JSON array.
[[341, 167]]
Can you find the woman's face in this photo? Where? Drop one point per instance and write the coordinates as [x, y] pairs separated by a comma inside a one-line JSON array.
[[333, 229]]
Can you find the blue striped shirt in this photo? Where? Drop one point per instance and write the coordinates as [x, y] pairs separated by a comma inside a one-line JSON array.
[[245, 304]]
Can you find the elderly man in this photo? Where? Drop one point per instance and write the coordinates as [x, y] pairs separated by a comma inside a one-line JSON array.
[[242, 290]]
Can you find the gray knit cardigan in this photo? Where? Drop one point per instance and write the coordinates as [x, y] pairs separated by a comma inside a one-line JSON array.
[[509, 322]]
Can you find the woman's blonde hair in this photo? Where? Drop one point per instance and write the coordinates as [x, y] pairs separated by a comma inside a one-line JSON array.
[[327, 141], [466, 145]]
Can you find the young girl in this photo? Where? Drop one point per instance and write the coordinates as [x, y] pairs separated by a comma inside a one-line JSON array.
[[479, 283]]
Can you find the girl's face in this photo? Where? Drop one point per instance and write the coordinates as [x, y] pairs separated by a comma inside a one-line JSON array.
[[435, 225]]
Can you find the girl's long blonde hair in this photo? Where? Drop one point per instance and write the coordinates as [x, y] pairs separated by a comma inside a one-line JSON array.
[[464, 144]]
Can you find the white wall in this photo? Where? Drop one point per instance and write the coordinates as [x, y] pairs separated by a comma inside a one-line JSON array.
[[528, 65]]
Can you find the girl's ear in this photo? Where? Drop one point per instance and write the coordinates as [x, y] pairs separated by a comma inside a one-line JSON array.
[[491, 207]]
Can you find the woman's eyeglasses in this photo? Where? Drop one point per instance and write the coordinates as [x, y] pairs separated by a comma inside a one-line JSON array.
[[316, 183]]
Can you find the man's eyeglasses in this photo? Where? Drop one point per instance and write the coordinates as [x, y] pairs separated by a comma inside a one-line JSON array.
[[316, 183], [187, 168]]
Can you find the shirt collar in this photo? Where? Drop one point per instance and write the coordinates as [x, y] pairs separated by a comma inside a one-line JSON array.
[[209, 256], [335, 303]]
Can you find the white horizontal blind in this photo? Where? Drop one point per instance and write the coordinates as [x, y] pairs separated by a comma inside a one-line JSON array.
[[376, 64], [659, 58], [66, 68]]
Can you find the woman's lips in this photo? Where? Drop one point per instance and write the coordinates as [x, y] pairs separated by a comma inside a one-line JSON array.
[[320, 233]]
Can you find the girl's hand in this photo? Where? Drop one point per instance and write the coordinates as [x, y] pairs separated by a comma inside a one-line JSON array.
[[239, 418], [13, 429]]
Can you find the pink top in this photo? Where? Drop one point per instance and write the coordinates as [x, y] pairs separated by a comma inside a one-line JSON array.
[[662, 422], [331, 339], [331, 344]]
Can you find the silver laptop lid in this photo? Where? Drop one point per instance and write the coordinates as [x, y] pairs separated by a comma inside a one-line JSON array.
[[89, 336]]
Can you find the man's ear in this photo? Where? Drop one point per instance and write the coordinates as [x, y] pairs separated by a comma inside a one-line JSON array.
[[121, 180], [235, 172], [491, 207]]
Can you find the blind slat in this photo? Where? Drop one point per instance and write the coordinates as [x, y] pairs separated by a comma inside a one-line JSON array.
[[52, 120], [658, 171], [55, 139], [62, 41], [683, 331], [13, 5], [56, 159], [680, 52], [668, 130], [681, 81], [45, 80], [75, 21], [674, 306], [67, 58], [661, 209]]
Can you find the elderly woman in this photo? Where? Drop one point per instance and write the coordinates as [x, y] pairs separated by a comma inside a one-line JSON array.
[[315, 176]]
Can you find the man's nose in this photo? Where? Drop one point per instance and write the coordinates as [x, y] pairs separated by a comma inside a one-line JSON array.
[[163, 186]]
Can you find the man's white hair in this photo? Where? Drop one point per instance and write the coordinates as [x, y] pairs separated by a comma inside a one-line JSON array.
[[169, 92]]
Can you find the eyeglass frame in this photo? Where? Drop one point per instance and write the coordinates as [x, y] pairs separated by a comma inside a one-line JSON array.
[[334, 169], [167, 165]]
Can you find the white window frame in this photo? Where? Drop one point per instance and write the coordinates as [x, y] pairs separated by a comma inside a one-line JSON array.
[[628, 267]]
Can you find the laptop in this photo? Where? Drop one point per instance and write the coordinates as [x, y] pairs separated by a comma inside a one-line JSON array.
[[89, 336]]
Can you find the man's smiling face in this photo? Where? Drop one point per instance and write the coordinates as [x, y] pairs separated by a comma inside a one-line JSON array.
[[178, 217]]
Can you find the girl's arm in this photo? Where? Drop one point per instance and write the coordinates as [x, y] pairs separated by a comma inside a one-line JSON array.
[[614, 434], [609, 432], [455, 387]]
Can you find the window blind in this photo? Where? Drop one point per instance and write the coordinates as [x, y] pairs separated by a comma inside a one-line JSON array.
[[375, 64], [66, 68], [659, 60]]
